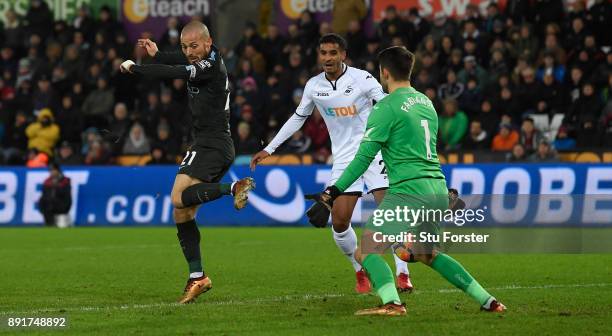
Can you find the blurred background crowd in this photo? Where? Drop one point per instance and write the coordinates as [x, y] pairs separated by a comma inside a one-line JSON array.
[[530, 80]]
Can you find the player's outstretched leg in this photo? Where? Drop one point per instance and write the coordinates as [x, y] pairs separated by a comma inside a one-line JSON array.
[[205, 192], [401, 267], [346, 238], [402, 275], [451, 270]]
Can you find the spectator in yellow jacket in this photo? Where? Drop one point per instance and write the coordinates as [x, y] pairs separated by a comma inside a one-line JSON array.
[[44, 133]]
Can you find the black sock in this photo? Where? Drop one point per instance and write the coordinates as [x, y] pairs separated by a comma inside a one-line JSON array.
[[204, 192], [189, 238]]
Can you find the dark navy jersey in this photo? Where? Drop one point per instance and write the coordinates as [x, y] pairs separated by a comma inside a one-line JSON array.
[[208, 89]]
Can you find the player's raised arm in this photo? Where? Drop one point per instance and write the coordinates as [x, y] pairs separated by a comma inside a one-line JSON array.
[[162, 57], [198, 51], [292, 125], [200, 71], [161, 71]]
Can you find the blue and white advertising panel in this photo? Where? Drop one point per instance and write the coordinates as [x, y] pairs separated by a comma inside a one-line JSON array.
[[118, 196]]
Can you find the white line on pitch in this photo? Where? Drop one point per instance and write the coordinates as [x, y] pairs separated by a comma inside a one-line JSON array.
[[174, 304], [275, 299], [96, 248], [514, 287]]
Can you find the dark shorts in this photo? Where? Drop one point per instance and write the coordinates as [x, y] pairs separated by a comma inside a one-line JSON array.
[[207, 163]]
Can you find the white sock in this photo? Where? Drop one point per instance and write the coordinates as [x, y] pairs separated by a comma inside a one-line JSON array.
[[195, 275], [400, 265], [347, 243], [487, 304], [232, 188]]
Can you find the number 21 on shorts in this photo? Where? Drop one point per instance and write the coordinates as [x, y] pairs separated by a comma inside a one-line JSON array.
[[189, 156]]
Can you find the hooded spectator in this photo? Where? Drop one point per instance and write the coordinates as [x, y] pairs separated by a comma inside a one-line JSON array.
[[137, 142], [44, 133]]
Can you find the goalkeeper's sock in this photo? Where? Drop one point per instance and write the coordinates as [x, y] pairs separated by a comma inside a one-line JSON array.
[[204, 192], [400, 265], [189, 238], [382, 278], [454, 272], [347, 243]]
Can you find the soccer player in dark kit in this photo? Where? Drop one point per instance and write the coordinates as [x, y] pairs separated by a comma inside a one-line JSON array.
[[212, 151]]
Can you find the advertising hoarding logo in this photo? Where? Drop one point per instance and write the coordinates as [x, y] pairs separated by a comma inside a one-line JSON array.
[[278, 185], [519, 195], [137, 11], [293, 8], [151, 16]]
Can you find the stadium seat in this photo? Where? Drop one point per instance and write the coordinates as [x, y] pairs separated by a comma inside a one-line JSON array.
[[133, 160]]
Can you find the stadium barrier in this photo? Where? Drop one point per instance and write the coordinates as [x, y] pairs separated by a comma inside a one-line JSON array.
[[459, 157], [140, 195]]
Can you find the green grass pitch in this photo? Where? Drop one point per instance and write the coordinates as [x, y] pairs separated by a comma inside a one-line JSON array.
[[280, 281]]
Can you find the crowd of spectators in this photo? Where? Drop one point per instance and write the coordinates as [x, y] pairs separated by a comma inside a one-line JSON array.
[[529, 80]]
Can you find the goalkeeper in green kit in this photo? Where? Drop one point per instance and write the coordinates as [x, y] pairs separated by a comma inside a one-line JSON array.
[[403, 126]]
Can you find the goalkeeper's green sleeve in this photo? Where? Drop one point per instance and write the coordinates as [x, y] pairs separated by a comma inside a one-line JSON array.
[[366, 153]]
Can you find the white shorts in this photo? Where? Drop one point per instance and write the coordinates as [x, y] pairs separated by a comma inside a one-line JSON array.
[[374, 178]]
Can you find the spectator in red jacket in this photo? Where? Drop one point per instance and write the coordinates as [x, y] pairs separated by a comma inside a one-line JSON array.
[[316, 130], [56, 199]]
